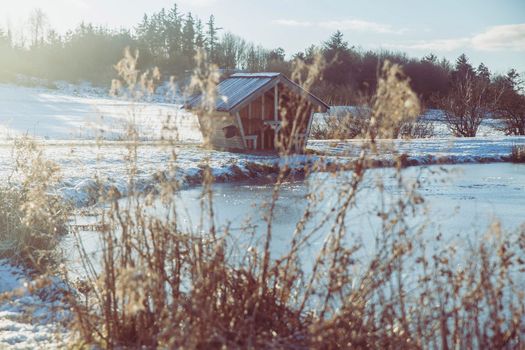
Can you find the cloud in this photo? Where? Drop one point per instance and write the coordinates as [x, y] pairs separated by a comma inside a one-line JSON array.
[[79, 4], [361, 26], [293, 23], [349, 24], [199, 3], [506, 37], [497, 38], [434, 45]]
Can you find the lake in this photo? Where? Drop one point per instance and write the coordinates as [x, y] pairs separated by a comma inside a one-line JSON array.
[[460, 202]]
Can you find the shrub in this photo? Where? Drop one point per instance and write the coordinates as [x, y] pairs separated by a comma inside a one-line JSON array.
[[511, 104], [470, 99], [31, 219], [419, 129], [342, 123]]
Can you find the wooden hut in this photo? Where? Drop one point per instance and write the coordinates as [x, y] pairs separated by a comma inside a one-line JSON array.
[[256, 111]]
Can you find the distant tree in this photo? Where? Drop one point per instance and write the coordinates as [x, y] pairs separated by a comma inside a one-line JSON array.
[[142, 28], [256, 58], [5, 39], [200, 39], [367, 72], [53, 38], [511, 104], [174, 33], [341, 61], [188, 40], [483, 72], [469, 100], [430, 58], [160, 34], [150, 35], [5, 51], [308, 55], [232, 51], [428, 78], [336, 42], [212, 39], [276, 62], [277, 55], [37, 25], [463, 69]]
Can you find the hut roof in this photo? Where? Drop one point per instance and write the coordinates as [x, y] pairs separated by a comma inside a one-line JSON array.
[[241, 87]]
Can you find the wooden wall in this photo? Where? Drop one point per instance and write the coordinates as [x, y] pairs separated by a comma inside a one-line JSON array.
[[291, 107], [218, 121]]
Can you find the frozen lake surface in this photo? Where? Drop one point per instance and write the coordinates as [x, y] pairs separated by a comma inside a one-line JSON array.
[[461, 201]]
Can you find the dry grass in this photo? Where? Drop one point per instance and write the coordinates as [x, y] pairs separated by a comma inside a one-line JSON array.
[[161, 287], [32, 219]]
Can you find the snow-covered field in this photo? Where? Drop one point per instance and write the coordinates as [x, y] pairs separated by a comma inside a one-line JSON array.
[[66, 114]]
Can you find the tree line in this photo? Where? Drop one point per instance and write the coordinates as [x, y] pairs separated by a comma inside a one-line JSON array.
[[169, 39]]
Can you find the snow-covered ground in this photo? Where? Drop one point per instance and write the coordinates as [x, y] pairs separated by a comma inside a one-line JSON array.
[[434, 117], [28, 320], [429, 151], [487, 128], [65, 114]]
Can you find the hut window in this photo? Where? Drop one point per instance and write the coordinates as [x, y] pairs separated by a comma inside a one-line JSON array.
[[230, 131]]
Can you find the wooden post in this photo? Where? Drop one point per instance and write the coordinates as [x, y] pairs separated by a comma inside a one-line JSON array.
[[250, 118], [309, 126], [239, 121], [262, 108], [276, 103]]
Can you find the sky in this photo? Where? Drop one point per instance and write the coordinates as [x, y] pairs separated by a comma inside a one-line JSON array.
[[488, 31]]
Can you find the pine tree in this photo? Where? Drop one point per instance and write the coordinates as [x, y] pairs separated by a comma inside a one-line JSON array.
[[430, 58], [277, 55], [200, 40], [188, 40], [341, 60], [161, 34], [483, 73], [142, 28], [463, 69], [174, 33], [513, 79], [336, 42], [211, 39]]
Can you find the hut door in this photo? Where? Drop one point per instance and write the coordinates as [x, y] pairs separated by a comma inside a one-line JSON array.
[[269, 138]]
